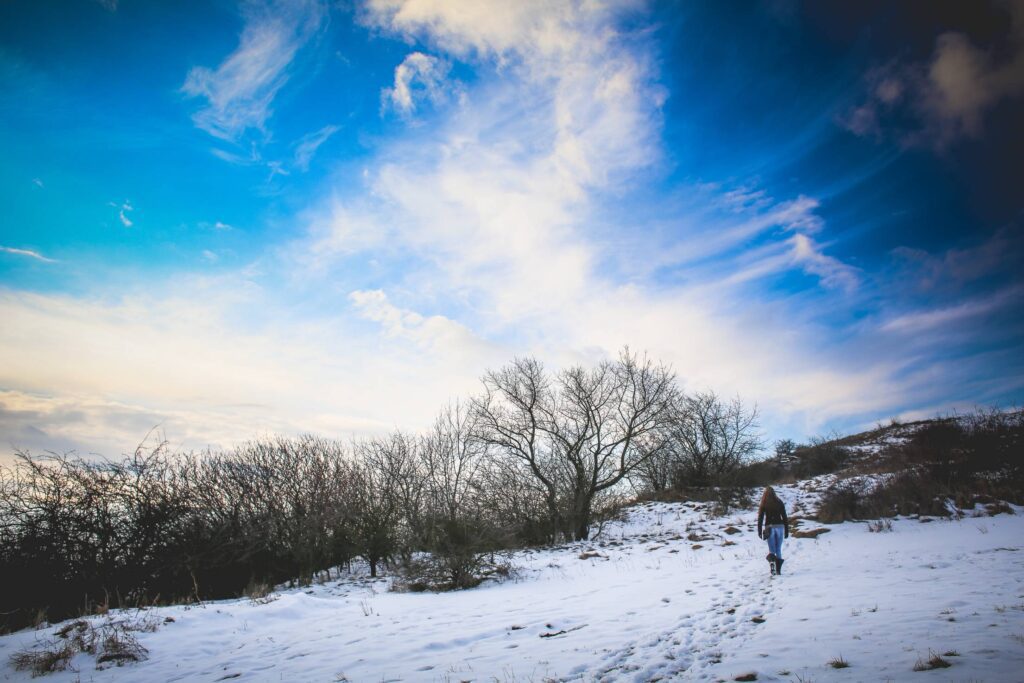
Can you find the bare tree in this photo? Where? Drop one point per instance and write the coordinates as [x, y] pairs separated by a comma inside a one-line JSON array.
[[578, 433], [451, 458], [784, 450], [452, 526], [711, 438], [387, 489], [655, 474]]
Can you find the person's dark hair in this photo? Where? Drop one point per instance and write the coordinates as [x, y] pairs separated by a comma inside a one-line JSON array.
[[769, 500]]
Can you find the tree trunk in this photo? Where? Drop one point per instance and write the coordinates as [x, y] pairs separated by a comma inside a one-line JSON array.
[[581, 519]]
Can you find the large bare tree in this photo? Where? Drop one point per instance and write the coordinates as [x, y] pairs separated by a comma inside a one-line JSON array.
[[577, 433]]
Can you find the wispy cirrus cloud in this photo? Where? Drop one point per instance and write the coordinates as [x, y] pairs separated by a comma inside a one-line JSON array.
[[308, 145], [947, 316], [832, 272], [29, 253], [999, 255], [240, 92]]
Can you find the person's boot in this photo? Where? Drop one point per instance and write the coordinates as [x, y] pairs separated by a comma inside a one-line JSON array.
[[778, 565], [771, 563]]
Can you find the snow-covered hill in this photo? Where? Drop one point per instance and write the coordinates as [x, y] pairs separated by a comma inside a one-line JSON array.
[[666, 593]]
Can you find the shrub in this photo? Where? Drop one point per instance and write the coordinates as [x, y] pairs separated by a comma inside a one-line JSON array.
[[758, 474], [841, 502], [822, 456], [259, 592], [428, 572], [89, 535], [906, 493]]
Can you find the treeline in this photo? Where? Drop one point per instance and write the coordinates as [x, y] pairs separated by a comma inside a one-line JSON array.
[[533, 459]]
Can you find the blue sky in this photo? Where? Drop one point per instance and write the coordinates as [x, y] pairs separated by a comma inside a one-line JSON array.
[[228, 219]]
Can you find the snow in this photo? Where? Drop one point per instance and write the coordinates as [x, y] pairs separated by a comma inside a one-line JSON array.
[[646, 603]]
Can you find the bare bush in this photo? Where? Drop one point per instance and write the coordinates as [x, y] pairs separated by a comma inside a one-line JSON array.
[[51, 658], [824, 455], [112, 642], [841, 502], [80, 535]]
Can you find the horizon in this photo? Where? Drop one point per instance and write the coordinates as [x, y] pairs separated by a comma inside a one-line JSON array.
[[301, 216]]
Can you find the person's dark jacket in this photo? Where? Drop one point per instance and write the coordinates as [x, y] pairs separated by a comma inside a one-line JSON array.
[[772, 512]]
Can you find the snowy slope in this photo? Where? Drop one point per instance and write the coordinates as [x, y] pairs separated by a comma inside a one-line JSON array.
[[646, 603]]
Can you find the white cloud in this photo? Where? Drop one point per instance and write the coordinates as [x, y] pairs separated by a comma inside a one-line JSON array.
[[418, 77], [494, 215], [239, 159], [276, 168], [948, 316], [432, 332], [951, 93], [214, 361], [750, 215], [37, 182], [27, 252], [833, 272], [240, 92], [966, 82], [306, 147], [954, 268], [122, 213], [495, 223]]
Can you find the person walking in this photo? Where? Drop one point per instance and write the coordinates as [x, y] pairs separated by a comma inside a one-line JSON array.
[[772, 526]]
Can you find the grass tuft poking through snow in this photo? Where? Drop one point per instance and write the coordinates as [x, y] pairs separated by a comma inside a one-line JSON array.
[[838, 663], [934, 661]]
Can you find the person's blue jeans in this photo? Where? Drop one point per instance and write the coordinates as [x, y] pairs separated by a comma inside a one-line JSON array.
[[776, 532]]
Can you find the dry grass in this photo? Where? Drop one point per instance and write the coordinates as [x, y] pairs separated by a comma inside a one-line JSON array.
[[838, 663], [117, 647], [934, 661], [50, 659], [112, 642]]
